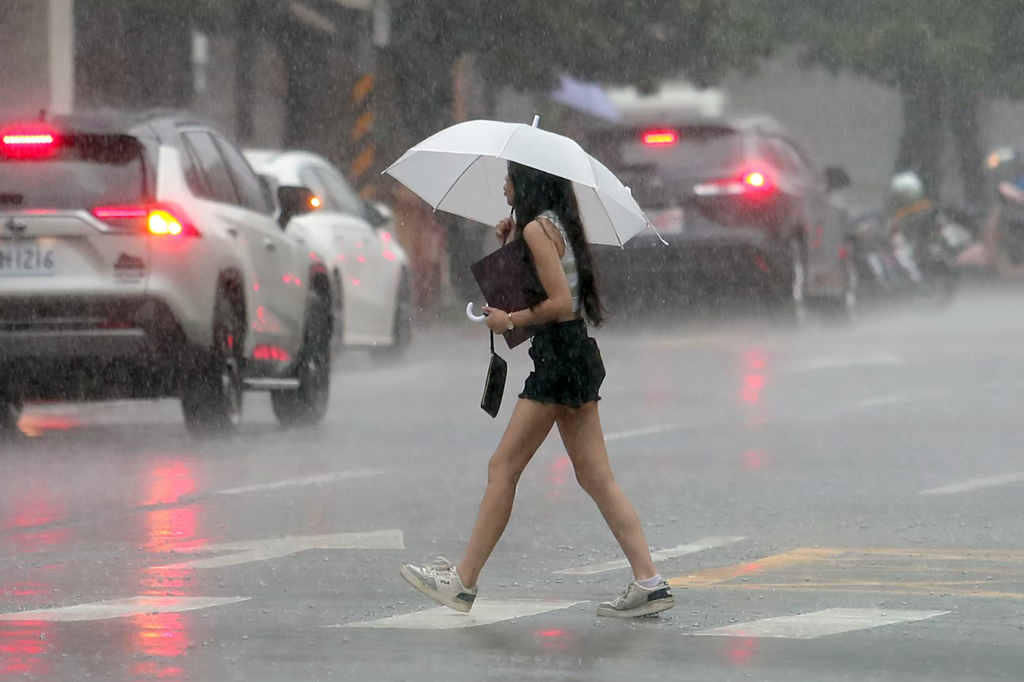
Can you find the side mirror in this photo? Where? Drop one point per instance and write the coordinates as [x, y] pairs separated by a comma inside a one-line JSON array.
[[295, 201], [836, 178], [378, 214]]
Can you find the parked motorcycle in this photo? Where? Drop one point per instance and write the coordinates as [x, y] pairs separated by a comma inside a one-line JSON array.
[[908, 253]]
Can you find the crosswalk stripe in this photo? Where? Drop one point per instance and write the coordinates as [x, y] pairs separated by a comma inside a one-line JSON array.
[[262, 550], [309, 480], [976, 484], [648, 431], [485, 612], [661, 555], [820, 623], [121, 608]]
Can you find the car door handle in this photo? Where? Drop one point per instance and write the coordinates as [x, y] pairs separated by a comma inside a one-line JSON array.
[[269, 244]]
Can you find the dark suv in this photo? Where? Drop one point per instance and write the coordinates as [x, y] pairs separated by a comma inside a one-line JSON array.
[[740, 205]]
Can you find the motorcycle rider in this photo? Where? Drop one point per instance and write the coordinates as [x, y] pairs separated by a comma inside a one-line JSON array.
[[1003, 234], [912, 216]]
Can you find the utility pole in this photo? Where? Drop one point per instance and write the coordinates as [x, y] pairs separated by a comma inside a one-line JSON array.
[[61, 35]]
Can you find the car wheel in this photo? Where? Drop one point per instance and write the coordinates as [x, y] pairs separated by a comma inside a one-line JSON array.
[[212, 401], [10, 414], [307, 404], [792, 297], [839, 310], [401, 328], [338, 302]]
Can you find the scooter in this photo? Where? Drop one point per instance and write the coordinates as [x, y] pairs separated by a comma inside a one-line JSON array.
[[918, 264]]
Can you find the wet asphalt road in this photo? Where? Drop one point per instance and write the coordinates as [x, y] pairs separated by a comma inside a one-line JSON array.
[[788, 467]]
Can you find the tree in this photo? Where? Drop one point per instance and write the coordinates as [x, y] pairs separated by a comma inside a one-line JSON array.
[[946, 58], [526, 44]]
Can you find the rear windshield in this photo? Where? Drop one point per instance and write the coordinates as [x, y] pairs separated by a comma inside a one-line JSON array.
[[82, 171], [655, 171]]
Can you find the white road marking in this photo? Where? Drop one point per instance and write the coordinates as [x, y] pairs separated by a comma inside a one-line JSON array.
[[839, 363], [262, 550], [898, 399], [310, 480], [650, 430], [484, 612], [681, 550], [120, 608], [820, 624], [975, 484]]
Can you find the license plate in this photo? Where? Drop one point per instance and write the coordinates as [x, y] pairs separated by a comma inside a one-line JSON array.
[[27, 260], [668, 221]]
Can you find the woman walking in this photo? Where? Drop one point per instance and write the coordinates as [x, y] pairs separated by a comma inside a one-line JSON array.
[[562, 391]]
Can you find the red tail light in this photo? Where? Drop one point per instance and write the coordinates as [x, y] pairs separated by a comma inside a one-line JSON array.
[[660, 138], [754, 179], [28, 142], [159, 219], [748, 183]]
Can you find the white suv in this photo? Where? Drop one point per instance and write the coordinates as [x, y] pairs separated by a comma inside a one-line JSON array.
[[142, 257]]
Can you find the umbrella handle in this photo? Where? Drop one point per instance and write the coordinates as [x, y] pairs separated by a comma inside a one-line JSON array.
[[471, 316]]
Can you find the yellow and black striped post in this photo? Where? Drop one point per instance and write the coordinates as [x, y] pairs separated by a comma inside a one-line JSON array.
[[361, 136]]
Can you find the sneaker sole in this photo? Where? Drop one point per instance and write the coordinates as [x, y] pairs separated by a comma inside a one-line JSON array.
[[648, 609], [440, 598]]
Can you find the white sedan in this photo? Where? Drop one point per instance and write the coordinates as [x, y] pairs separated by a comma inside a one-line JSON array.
[[369, 269]]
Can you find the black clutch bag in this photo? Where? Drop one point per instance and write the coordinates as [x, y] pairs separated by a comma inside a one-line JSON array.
[[494, 388]]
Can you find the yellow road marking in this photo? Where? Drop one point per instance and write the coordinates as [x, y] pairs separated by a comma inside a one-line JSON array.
[[967, 572]]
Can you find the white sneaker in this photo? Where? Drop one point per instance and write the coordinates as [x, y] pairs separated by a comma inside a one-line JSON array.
[[638, 600], [441, 582]]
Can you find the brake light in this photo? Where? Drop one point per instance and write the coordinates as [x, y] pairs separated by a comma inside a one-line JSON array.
[[159, 219], [660, 138], [28, 142], [754, 181], [164, 222], [28, 139]]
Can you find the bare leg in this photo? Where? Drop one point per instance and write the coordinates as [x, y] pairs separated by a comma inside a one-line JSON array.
[[530, 424], [584, 442]]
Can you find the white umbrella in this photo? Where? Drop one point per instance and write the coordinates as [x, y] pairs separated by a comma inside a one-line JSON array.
[[461, 170]]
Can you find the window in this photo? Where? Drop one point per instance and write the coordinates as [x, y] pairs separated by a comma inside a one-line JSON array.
[[219, 186], [193, 172], [313, 183], [341, 194], [247, 183], [86, 171], [772, 151]]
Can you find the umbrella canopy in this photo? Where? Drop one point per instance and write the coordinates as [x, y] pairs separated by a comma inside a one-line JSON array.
[[462, 169]]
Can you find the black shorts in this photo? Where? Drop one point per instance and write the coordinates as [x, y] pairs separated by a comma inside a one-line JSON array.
[[567, 366]]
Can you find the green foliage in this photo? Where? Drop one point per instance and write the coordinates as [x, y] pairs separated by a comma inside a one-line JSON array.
[[527, 43]]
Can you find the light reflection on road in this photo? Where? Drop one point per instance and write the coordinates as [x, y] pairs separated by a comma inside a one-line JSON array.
[[163, 638]]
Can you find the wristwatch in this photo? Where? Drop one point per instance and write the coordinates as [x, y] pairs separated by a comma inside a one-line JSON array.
[[511, 326]]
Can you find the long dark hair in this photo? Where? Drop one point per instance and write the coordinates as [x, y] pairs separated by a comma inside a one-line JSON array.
[[535, 192]]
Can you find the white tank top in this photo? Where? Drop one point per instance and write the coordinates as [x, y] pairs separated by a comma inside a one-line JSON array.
[[568, 260]]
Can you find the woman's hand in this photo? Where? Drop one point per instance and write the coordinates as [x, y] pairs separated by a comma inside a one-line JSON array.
[[503, 230], [497, 320]]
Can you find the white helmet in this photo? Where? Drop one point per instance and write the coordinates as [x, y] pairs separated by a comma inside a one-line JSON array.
[[906, 188]]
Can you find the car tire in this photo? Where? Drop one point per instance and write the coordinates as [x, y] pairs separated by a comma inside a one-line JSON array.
[[212, 400], [10, 414], [338, 303], [791, 302], [401, 327], [307, 404], [843, 310]]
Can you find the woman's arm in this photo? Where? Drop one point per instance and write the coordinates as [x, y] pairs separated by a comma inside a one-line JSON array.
[[558, 304]]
